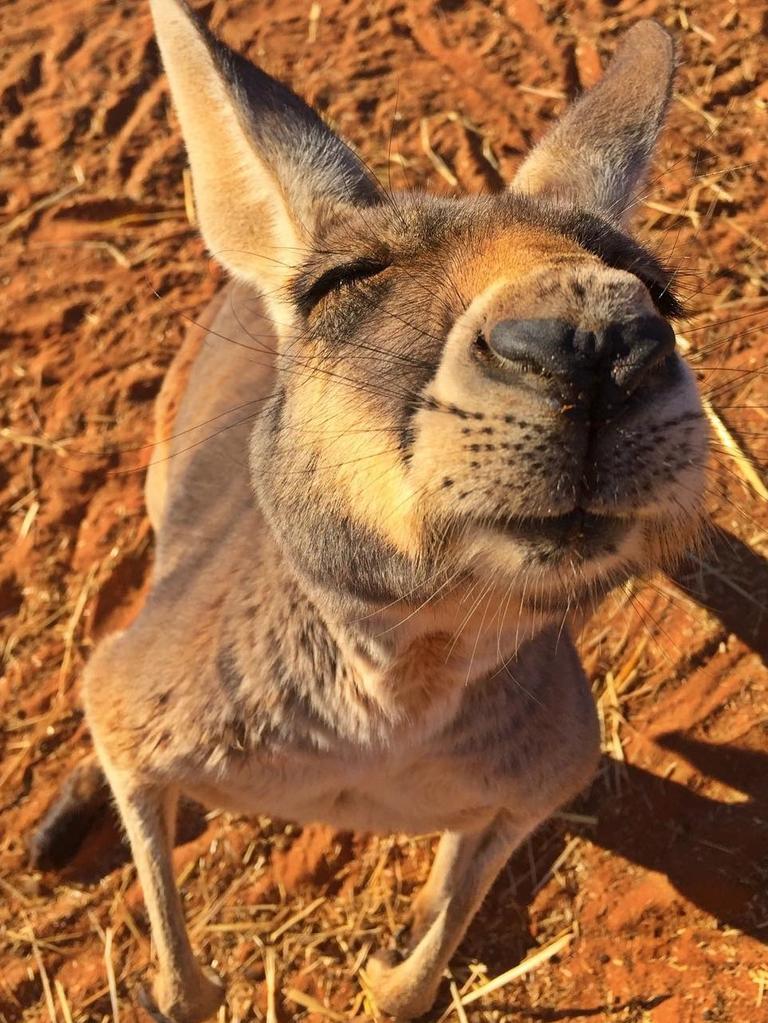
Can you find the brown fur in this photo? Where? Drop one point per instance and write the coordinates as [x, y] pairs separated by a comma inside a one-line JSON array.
[[167, 408], [371, 629]]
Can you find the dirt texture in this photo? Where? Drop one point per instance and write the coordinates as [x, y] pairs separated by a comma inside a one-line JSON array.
[[659, 874]]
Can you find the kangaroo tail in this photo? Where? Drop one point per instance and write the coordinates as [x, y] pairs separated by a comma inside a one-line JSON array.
[[82, 800]]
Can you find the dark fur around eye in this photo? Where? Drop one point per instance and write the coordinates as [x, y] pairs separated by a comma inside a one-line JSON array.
[[622, 252], [307, 293]]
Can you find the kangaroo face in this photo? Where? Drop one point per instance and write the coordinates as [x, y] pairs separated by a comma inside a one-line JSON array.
[[481, 389], [485, 386]]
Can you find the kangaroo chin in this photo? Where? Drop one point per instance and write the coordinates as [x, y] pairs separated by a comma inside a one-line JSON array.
[[466, 421]]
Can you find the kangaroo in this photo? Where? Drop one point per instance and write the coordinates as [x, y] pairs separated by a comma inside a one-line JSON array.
[[445, 428]]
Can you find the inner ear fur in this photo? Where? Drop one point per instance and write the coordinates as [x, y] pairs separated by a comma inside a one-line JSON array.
[[598, 154], [265, 167]]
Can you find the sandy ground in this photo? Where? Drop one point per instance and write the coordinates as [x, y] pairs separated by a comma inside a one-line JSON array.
[[660, 873]]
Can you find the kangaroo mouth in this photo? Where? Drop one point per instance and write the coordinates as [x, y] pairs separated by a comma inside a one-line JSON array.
[[577, 532]]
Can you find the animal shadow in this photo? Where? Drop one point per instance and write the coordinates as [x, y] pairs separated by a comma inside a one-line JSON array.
[[730, 579], [715, 853]]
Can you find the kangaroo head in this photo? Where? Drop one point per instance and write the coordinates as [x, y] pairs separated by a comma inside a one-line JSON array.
[[480, 388]]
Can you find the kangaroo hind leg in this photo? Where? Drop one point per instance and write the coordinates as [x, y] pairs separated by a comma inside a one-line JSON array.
[[183, 991], [465, 867]]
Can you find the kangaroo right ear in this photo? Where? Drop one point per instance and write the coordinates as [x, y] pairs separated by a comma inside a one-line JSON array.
[[597, 155], [265, 168]]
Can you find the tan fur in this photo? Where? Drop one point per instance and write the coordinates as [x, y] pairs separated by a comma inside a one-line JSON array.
[[362, 466], [371, 630]]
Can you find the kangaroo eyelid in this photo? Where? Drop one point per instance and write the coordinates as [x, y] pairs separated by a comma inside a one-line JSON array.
[[338, 277]]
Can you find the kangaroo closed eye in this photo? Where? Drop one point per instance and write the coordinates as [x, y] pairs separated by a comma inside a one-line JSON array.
[[308, 295]]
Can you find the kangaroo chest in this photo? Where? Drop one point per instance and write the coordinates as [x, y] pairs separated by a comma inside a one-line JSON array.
[[302, 757]]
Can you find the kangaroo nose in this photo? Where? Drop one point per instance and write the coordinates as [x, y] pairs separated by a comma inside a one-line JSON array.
[[612, 360]]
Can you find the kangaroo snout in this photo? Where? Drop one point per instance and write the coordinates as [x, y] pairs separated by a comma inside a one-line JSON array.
[[579, 365]]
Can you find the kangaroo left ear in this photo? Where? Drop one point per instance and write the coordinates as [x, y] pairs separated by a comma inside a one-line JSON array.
[[265, 168], [597, 155]]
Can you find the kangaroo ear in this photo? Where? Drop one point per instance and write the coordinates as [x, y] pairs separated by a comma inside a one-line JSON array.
[[265, 168], [597, 155]]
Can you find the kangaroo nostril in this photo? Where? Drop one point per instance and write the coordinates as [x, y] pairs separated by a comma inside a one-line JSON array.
[[543, 345], [640, 345]]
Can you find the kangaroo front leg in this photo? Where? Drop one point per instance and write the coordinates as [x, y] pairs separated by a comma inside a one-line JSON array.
[[464, 869], [183, 991]]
